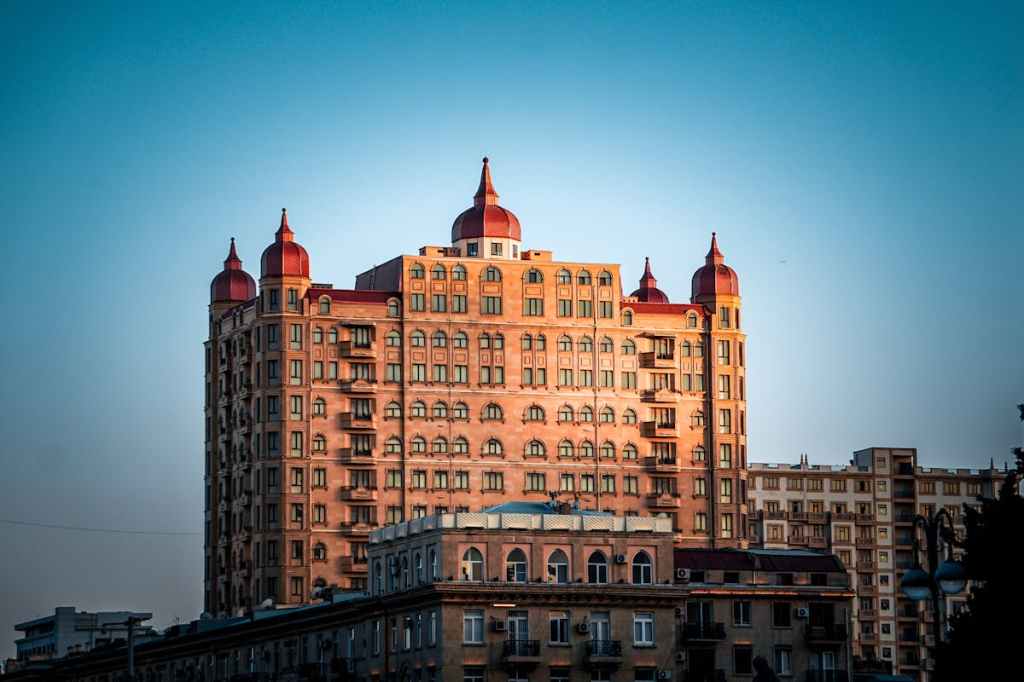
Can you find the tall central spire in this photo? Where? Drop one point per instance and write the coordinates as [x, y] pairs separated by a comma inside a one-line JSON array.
[[714, 256], [284, 233], [485, 194]]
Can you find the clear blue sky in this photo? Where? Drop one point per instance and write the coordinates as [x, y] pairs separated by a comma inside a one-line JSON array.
[[862, 167]]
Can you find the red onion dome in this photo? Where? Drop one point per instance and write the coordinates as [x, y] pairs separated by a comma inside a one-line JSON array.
[[232, 284], [486, 218], [285, 257], [649, 291], [715, 277]]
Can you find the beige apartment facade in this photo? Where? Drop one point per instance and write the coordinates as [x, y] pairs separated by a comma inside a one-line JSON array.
[[446, 381], [864, 514]]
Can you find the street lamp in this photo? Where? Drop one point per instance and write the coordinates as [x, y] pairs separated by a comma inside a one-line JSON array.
[[939, 580]]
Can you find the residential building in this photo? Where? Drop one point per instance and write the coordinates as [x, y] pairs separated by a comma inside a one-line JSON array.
[[864, 513], [447, 380], [69, 630]]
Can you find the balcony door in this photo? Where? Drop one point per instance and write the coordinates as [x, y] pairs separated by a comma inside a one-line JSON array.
[[518, 626], [698, 613], [600, 626], [821, 615]]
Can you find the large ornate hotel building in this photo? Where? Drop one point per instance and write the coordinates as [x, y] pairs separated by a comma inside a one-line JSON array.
[[449, 381]]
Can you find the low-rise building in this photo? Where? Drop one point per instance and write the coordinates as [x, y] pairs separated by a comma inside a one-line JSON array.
[[69, 630]]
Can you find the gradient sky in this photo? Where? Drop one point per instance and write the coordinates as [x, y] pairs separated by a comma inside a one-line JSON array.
[[862, 166]]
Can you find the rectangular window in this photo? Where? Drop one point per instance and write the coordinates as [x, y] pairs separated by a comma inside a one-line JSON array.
[[490, 305], [725, 421], [461, 374], [630, 485], [419, 373], [558, 627], [723, 387], [564, 308], [473, 626], [782, 614], [534, 307], [586, 377], [743, 658], [725, 459], [417, 302], [584, 309], [724, 321], [535, 482], [462, 480], [741, 613], [293, 299], [565, 377], [606, 310], [608, 483], [783, 659], [723, 352], [459, 303], [567, 482], [438, 303], [643, 629], [295, 376], [440, 373], [629, 380], [700, 522]]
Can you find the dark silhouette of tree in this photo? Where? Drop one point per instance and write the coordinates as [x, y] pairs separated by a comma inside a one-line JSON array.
[[982, 641]]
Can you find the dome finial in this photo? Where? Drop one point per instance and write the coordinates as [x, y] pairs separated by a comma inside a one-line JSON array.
[[649, 291], [232, 262], [485, 193], [284, 233], [714, 255]]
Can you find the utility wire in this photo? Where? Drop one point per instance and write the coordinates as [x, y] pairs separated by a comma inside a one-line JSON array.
[[118, 531]]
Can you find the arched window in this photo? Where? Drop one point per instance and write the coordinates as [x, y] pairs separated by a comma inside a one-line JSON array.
[[583, 277], [691, 321], [565, 414], [533, 276], [697, 419], [564, 344], [565, 449], [540, 342], [605, 278], [318, 335], [392, 445], [564, 277], [418, 339], [485, 340], [435, 567], [332, 335], [628, 347], [460, 446], [319, 407], [586, 414], [627, 318], [535, 448], [393, 307], [558, 567], [535, 413], [440, 339], [319, 552], [393, 339], [418, 444], [439, 446], [687, 349], [516, 567], [319, 443], [607, 450], [440, 410], [607, 415], [418, 567], [492, 447], [378, 577], [492, 274], [393, 410], [473, 565], [586, 345], [597, 568], [418, 410], [437, 272], [586, 449], [629, 451], [498, 342], [460, 411], [325, 305], [459, 273], [629, 416], [607, 345], [406, 582], [698, 349], [392, 573], [492, 412], [460, 340], [527, 342], [416, 271], [643, 571]]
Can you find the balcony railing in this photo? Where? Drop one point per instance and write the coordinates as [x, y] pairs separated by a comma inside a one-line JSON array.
[[604, 648], [828, 632], [520, 648], [702, 631]]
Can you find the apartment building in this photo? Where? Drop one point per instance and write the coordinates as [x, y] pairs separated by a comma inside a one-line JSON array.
[[447, 380], [69, 630], [864, 513]]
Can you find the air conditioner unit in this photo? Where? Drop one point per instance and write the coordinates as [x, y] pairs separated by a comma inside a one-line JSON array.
[[620, 558], [683, 575], [802, 613], [497, 626], [582, 628], [664, 674]]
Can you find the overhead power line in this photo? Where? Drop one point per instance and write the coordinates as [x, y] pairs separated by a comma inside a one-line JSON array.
[[84, 529]]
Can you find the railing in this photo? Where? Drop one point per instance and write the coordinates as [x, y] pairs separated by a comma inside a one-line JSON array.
[[520, 647], [706, 631], [827, 632], [827, 676], [604, 648]]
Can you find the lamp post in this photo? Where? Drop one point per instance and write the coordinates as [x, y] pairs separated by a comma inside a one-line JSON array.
[[939, 580]]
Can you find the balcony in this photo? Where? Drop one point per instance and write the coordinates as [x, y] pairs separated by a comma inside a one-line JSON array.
[[354, 494], [663, 500], [659, 395], [862, 540], [702, 632], [351, 349], [653, 429], [827, 633], [867, 614], [654, 360], [826, 676], [904, 469], [520, 651], [359, 385], [603, 652], [774, 515], [799, 540], [352, 565], [353, 456], [358, 422], [661, 464]]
